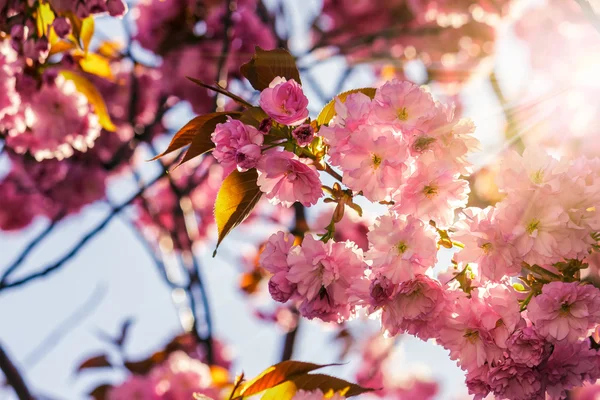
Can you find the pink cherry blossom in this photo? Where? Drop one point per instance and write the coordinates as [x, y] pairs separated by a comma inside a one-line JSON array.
[[445, 138], [274, 259], [526, 347], [516, 382], [285, 179], [433, 192], [135, 387], [323, 273], [468, 338], [404, 104], [9, 67], [48, 137], [303, 134], [415, 308], [180, 376], [565, 311], [285, 102], [401, 248], [486, 244], [374, 162], [569, 366], [237, 145]]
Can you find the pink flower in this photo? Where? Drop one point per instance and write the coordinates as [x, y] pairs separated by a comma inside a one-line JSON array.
[[415, 308], [485, 244], [516, 382], [323, 273], [274, 259], [468, 338], [400, 249], [374, 162], [303, 134], [180, 376], [51, 137], [569, 366], [315, 395], [352, 113], [526, 347], [534, 169], [499, 312], [237, 144], [285, 179], [285, 102], [446, 139], [432, 193], [565, 311], [135, 387], [477, 382], [537, 225], [404, 104]]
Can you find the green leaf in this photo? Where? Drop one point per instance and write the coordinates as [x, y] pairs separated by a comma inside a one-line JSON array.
[[99, 361], [87, 88], [266, 65], [236, 199], [276, 375], [202, 126], [44, 18], [328, 112], [327, 383]]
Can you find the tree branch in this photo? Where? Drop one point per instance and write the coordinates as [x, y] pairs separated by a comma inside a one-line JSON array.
[[589, 12], [513, 137], [13, 377], [82, 242]]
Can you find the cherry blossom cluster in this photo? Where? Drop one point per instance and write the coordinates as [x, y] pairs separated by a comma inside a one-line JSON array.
[[178, 378], [450, 38], [512, 311]]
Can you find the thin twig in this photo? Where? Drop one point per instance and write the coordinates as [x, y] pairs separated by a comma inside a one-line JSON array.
[[14, 377], [512, 129], [27, 250], [59, 332], [82, 242], [590, 13]]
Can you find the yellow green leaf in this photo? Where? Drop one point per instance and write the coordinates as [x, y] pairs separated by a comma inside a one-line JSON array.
[[110, 49], [87, 88], [86, 32], [284, 391], [196, 127], [277, 374], [96, 64], [61, 46], [266, 65], [236, 199], [44, 17], [328, 384], [328, 112]]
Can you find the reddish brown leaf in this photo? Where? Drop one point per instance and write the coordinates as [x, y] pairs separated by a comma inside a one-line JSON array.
[[266, 65], [328, 383], [99, 361], [195, 127], [101, 392]]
